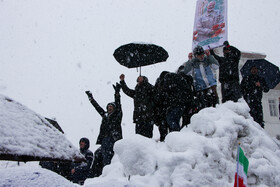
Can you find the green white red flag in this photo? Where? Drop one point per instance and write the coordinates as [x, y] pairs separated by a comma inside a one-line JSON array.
[[241, 169]]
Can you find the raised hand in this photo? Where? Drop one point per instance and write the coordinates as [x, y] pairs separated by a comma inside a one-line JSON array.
[[122, 77], [89, 94], [117, 87]]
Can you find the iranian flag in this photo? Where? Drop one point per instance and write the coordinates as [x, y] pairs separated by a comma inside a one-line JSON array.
[[241, 169]]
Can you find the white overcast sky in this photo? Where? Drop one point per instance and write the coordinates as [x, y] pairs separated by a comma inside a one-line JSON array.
[[52, 51]]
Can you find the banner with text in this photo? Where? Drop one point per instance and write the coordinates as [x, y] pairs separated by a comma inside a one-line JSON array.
[[210, 24]]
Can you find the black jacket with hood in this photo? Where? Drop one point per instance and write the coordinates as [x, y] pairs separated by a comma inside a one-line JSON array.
[[111, 123], [84, 167]]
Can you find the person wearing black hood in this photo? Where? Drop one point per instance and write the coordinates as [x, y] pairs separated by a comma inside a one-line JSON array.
[[229, 73], [252, 87], [80, 171], [143, 105], [110, 131]]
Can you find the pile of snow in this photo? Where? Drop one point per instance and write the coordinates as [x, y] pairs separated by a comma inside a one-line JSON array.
[[27, 176], [25, 133], [204, 154]]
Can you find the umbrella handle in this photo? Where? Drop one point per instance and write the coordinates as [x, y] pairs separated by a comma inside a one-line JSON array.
[[139, 70]]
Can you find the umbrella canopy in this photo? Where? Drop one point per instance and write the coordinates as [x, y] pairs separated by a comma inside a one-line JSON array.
[[137, 55], [266, 69]]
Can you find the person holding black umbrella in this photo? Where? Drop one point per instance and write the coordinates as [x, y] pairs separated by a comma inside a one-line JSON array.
[[143, 96], [229, 73], [252, 88]]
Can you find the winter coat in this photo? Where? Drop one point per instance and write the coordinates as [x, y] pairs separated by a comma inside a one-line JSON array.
[[177, 90], [253, 95], [159, 99], [84, 167], [228, 70], [251, 92], [143, 96], [111, 123], [201, 71]]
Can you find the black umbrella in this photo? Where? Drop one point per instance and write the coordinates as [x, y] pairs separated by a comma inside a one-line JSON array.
[[137, 55], [266, 69]]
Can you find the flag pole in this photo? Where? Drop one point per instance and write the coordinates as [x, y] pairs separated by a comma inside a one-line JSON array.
[[237, 166]]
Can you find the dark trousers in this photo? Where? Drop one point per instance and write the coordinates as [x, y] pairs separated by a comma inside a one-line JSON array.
[[107, 150], [256, 111], [103, 156], [144, 128], [173, 117], [231, 91], [79, 177], [163, 128], [186, 118], [97, 166]]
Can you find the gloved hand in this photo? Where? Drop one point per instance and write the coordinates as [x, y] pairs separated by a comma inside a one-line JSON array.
[[117, 87], [89, 94]]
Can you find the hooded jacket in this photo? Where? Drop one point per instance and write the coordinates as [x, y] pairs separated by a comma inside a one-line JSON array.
[[201, 72], [111, 123], [84, 167]]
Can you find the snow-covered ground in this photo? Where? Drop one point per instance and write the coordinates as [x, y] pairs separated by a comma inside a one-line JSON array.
[[203, 154], [30, 175], [53, 51]]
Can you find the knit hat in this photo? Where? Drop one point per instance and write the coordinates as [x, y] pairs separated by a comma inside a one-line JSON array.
[[112, 104]]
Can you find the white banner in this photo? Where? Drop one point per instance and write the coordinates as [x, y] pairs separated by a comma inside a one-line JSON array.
[[210, 24]]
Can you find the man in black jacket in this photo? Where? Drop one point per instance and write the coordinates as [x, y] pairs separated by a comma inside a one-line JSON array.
[[178, 98], [143, 105], [252, 87], [110, 131], [229, 73], [80, 171]]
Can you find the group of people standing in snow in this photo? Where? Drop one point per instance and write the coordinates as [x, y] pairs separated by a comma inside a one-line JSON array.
[[163, 104], [177, 95], [251, 87], [174, 96]]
